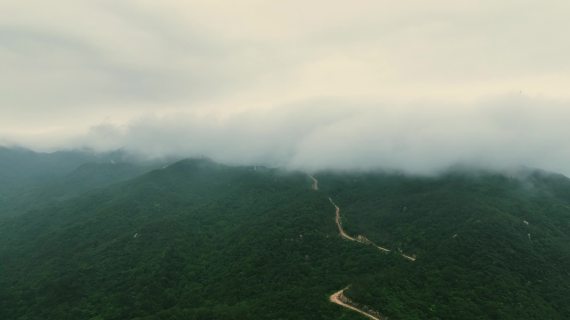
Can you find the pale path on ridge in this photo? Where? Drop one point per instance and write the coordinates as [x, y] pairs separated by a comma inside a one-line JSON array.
[[315, 185], [339, 223], [335, 298]]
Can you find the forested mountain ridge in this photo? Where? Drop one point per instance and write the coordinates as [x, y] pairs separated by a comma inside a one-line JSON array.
[[195, 240], [475, 235], [201, 240], [23, 167], [32, 180]]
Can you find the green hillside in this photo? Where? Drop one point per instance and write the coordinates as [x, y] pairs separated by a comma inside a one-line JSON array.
[[32, 180], [21, 167], [196, 240], [200, 240], [487, 245]]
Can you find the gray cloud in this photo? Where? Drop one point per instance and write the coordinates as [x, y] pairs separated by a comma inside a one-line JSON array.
[[304, 84], [498, 134]]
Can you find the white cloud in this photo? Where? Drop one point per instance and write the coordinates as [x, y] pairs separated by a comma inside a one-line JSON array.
[[292, 82], [423, 139]]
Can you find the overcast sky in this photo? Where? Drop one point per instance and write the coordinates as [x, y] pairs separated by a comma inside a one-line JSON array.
[[414, 85]]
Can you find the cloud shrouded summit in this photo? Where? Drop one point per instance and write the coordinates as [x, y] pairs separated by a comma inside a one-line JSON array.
[[306, 84]]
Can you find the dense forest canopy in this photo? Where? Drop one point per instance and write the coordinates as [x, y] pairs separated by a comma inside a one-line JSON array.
[[90, 237]]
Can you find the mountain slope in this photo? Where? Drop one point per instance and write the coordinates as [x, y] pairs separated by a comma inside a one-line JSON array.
[[196, 240], [487, 245], [200, 240], [31, 180]]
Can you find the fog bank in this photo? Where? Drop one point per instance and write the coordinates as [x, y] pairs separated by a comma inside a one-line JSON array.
[[414, 85], [421, 139]]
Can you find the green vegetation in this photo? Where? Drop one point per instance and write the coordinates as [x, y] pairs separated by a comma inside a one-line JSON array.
[[488, 245], [32, 180], [199, 240]]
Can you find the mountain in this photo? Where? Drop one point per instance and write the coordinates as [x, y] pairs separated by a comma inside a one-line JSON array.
[[22, 167], [33, 180], [488, 246], [201, 240], [196, 240]]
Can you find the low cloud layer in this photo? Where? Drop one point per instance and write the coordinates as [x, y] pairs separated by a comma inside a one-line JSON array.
[[420, 139], [314, 84]]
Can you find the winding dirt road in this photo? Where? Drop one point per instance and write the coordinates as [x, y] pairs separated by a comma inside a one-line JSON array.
[[337, 298], [359, 239], [339, 223]]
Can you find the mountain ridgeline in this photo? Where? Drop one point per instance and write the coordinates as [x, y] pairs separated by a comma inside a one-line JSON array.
[[101, 239]]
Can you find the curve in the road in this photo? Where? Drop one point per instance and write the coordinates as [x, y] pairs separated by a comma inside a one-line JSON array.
[[359, 238], [338, 298]]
